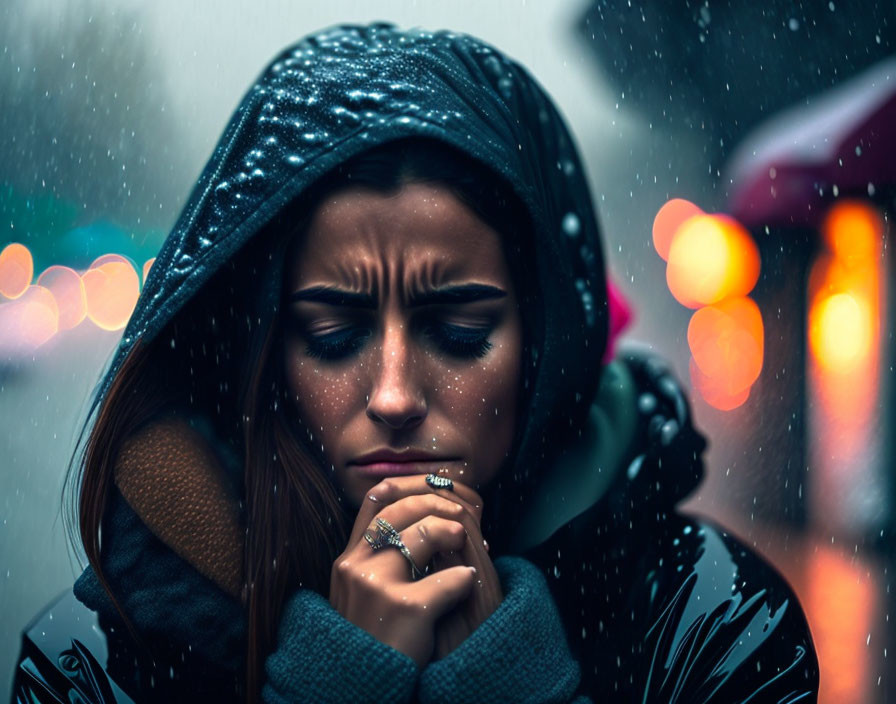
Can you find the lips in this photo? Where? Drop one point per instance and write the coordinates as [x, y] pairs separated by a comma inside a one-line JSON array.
[[387, 455], [387, 463]]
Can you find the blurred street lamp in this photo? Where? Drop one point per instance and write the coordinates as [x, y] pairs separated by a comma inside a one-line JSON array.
[[817, 186]]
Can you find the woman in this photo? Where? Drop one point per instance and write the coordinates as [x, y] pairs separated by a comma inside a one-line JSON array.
[[358, 444]]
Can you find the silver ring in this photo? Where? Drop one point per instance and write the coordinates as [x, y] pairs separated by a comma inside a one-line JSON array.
[[437, 482], [387, 536], [384, 536]]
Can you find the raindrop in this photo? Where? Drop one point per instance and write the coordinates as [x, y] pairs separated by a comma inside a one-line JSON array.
[[571, 224]]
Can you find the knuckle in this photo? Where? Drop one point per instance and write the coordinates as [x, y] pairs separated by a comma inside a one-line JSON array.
[[429, 524], [343, 571], [456, 529], [402, 603], [384, 489]]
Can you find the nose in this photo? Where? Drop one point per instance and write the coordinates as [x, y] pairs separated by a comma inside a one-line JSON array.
[[396, 398]]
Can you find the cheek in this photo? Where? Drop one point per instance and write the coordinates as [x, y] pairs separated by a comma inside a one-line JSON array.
[[488, 395], [323, 398], [503, 391]]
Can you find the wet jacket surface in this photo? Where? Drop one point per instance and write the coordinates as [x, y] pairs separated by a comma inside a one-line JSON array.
[[610, 595]]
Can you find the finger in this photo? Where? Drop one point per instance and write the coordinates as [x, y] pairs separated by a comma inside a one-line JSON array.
[[410, 510], [440, 592], [487, 593], [414, 508], [394, 489], [424, 539]]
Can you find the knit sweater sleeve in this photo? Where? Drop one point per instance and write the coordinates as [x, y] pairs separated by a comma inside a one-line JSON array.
[[518, 654], [322, 657]]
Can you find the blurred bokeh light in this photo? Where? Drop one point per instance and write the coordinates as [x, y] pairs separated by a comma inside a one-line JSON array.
[[726, 341], [16, 270], [29, 321], [667, 221], [147, 265], [844, 289], [713, 393], [112, 287], [711, 257], [67, 288], [712, 264]]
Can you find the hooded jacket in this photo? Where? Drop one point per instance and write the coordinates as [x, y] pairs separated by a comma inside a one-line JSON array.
[[610, 595]]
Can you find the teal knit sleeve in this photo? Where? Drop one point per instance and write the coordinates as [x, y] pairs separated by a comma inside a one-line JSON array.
[[322, 657], [518, 654]]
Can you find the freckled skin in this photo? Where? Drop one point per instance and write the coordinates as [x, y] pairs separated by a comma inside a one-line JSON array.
[[401, 388]]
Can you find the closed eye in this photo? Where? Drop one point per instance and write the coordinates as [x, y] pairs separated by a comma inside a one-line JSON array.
[[460, 340], [336, 345]]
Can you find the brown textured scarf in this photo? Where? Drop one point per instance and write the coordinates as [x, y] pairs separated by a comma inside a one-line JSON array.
[[170, 475]]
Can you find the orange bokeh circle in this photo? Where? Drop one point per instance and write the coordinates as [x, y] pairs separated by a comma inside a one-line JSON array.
[[852, 230], [30, 320], [111, 290], [714, 392], [667, 221], [67, 288], [16, 270], [147, 265], [727, 342], [711, 257]]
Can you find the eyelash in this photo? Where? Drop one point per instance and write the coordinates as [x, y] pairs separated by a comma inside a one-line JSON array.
[[456, 340]]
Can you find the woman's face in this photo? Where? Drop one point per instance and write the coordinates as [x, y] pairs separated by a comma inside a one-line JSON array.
[[403, 337]]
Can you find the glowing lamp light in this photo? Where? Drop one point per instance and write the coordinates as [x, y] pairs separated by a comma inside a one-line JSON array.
[[842, 604], [30, 320], [852, 230], [713, 391], [111, 290], [711, 258], [68, 290], [667, 221], [147, 265], [16, 270], [840, 331], [727, 342]]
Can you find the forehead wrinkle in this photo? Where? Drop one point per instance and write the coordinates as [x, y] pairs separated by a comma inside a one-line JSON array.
[[356, 275], [427, 276]]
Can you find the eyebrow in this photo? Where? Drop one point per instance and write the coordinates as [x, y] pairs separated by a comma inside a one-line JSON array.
[[465, 293]]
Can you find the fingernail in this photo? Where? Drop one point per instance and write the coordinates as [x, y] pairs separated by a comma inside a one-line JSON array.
[[472, 569], [485, 544], [373, 498]]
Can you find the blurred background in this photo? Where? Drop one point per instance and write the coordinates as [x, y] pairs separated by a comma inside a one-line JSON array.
[[742, 157]]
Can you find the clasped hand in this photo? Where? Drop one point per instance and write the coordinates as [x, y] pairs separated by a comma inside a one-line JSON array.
[[428, 618]]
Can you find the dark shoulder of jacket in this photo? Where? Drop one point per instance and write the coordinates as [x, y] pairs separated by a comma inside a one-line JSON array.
[[190, 634], [662, 607]]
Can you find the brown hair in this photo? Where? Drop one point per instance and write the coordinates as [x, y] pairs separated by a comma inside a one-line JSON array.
[[295, 522]]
